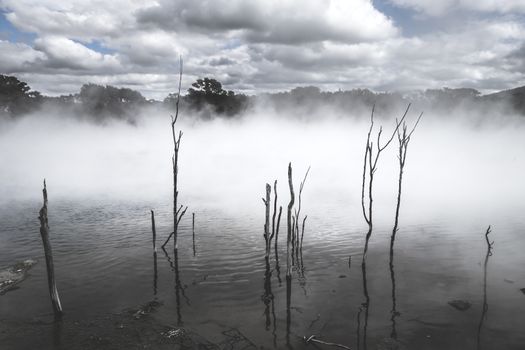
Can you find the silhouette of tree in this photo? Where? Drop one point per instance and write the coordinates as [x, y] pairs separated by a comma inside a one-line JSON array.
[[16, 96], [100, 100], [208, 93]]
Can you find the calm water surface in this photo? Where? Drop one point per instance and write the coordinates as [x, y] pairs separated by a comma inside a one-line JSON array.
[[104, 264]]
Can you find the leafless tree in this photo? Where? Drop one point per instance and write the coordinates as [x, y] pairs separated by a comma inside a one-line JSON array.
[[403, 137], [371, 159], [178, 211]]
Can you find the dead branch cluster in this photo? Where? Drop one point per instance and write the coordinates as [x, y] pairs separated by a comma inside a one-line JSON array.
[[295, 232], [370, 163]]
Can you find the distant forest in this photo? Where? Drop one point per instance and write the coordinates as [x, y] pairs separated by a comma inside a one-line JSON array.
[[207, 99]]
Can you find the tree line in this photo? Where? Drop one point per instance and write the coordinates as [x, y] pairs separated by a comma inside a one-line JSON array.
[[206, 98]]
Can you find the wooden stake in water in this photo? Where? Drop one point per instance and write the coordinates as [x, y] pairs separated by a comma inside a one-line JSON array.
[[44, 232], [154, 231], [193, 230]]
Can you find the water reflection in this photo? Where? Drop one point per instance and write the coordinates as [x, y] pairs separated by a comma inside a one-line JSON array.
[[155, 274], [268, 300], [277, 267], [57, 333], [364, 307], [485, 304], [179, 289], [394, 313], [288, 313]]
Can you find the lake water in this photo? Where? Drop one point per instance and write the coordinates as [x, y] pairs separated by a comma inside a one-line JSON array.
[[458, 181]]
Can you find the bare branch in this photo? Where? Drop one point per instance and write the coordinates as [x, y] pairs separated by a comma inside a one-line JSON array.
[[397, 127], [312, 339], [181, 215]]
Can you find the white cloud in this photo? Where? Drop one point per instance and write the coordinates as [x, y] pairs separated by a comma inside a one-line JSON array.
[[64, 53], [275, 21], [260, 45], [17, 57], [442, 7]]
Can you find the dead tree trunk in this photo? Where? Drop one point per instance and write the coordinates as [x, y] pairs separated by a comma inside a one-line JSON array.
[[485, 304], [289, 221], [274, 212], [302, 233], [370, 165], [44, 232], [403, 138], [178, 213], [297, 232], [267, 221]]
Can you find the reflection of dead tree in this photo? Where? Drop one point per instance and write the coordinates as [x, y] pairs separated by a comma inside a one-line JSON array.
[[268, 297], [365, 305], [44, 232], [179, 289], [370, 164], [394, 313], [485, 304], [288, 308], [155, 274], [178, 212]]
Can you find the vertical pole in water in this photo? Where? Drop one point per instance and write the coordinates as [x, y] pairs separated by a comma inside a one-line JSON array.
[[44, 232], [267, 220], [154, 231], [193, 230]]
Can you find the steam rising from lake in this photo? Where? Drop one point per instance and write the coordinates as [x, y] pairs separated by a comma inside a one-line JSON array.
[[452, 166]]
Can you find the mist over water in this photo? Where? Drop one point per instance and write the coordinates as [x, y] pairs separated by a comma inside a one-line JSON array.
[[460, 176], [453, 167]]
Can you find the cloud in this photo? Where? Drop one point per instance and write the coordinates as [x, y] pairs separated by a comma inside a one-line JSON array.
[[83, 20], [255, 46], [442, 7], [274, 21], [17, 57], [63, 53]]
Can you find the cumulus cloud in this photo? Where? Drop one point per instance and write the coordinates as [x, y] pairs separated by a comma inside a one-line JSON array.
[[275, 21], [442, 7], [264, 45], [17, 57], [64, 53]]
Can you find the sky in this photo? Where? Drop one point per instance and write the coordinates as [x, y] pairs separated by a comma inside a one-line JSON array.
[[255, 46]]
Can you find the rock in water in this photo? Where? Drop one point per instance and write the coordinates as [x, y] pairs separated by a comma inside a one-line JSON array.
[[13, 275], [523, 290], [460, 305]]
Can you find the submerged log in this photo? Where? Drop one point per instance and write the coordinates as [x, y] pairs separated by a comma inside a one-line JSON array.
[[11, 276]]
